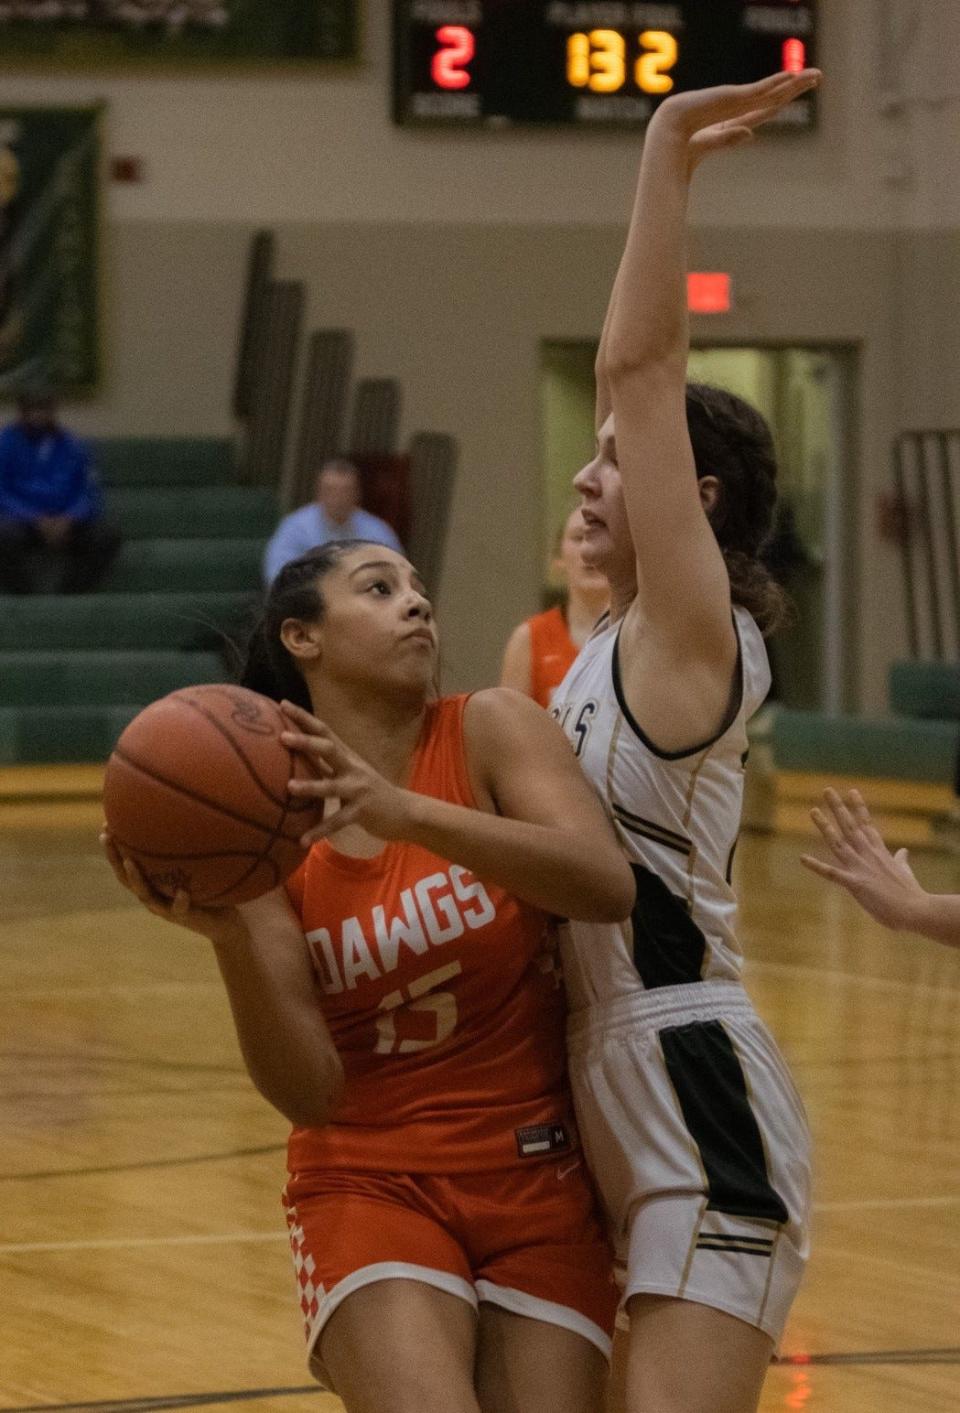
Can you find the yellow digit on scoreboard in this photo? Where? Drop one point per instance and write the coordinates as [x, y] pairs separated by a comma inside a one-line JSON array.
[[660, 55], [597, 60], [578, 60]]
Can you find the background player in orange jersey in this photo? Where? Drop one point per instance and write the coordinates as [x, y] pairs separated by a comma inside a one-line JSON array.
[[447, 1251], [541, 649]]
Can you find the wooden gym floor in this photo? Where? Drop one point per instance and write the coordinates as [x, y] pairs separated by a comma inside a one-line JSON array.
[[143, 1263]]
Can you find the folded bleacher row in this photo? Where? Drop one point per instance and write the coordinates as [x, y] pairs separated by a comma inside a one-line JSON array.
[[75, 669]]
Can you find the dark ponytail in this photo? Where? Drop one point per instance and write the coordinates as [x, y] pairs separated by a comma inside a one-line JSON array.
[[266, 665], [732, 442]]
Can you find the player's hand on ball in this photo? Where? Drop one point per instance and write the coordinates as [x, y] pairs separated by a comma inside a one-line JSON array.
[[365, 796], [712, 119], [217, 924]]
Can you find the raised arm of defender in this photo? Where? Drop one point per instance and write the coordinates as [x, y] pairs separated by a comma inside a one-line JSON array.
[[641, 366]]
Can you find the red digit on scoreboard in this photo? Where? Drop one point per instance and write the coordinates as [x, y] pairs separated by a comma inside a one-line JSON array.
[[457, 48], [794, 56]]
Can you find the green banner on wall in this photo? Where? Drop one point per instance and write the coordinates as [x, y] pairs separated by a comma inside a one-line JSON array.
[[49, 296], [116, 33]]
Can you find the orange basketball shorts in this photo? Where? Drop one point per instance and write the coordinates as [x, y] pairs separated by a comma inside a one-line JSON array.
[[525, 1239]]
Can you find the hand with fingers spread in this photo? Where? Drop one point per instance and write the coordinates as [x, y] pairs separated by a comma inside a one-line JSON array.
[[712, 119], [216, 924], [647, 320], [881, 882], [365, 796]]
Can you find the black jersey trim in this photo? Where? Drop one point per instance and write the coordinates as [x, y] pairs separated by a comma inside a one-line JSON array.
[[646, 829], [728, 873], [716, 1238], [668, 946], [638, 730], [709, 1082], [738, 1250]]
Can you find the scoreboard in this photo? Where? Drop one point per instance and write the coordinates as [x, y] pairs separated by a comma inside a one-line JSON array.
[[588, 63]]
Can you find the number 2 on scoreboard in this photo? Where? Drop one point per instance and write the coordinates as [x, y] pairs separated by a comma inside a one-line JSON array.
[[448, 68], [659, 56]]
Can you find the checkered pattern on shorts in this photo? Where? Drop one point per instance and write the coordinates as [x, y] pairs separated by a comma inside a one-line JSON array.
[[304, 1266]]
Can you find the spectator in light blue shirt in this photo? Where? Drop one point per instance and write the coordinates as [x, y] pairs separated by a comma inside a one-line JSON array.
[[335, 514]]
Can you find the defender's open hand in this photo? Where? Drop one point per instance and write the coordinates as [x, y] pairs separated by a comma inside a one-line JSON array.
[[882, 883], [712, 119]]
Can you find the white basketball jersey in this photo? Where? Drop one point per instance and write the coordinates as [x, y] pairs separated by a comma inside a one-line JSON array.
[[677, 817]]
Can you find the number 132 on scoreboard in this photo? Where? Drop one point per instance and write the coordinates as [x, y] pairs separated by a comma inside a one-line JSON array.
[[598, 61]]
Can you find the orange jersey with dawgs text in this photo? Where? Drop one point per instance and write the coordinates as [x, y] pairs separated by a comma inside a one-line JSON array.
[[443, 996], [552, 652]]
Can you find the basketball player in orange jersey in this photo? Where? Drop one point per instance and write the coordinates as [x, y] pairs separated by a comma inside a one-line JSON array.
[[540, 651], [690, 1121], [400, 1002]]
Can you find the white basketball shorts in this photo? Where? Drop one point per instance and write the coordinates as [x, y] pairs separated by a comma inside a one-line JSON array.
[[699, 1145]]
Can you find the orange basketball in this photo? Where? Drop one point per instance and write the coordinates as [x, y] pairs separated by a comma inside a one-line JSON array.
[[196, 794]]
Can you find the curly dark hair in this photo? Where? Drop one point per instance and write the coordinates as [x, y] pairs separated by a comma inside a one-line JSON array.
[[732, 442], [266, 666]]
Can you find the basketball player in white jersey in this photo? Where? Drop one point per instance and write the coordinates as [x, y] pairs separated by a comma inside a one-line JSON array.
[[691, 1124]]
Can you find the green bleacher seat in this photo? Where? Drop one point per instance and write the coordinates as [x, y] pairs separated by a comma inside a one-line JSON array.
[[887, 748], [926, 689], [186, 565], [45, 735], [164, 461], [115, 622], [193, 512], [71, 678]]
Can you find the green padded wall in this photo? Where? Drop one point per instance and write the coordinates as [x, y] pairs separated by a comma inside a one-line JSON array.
[[886, 748], [926, 689]]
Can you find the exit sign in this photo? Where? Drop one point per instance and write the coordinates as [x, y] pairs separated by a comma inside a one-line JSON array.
[[709, 292]]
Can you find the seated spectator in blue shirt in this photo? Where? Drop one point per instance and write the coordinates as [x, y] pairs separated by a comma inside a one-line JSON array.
[[50, 504], [335, 514]]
